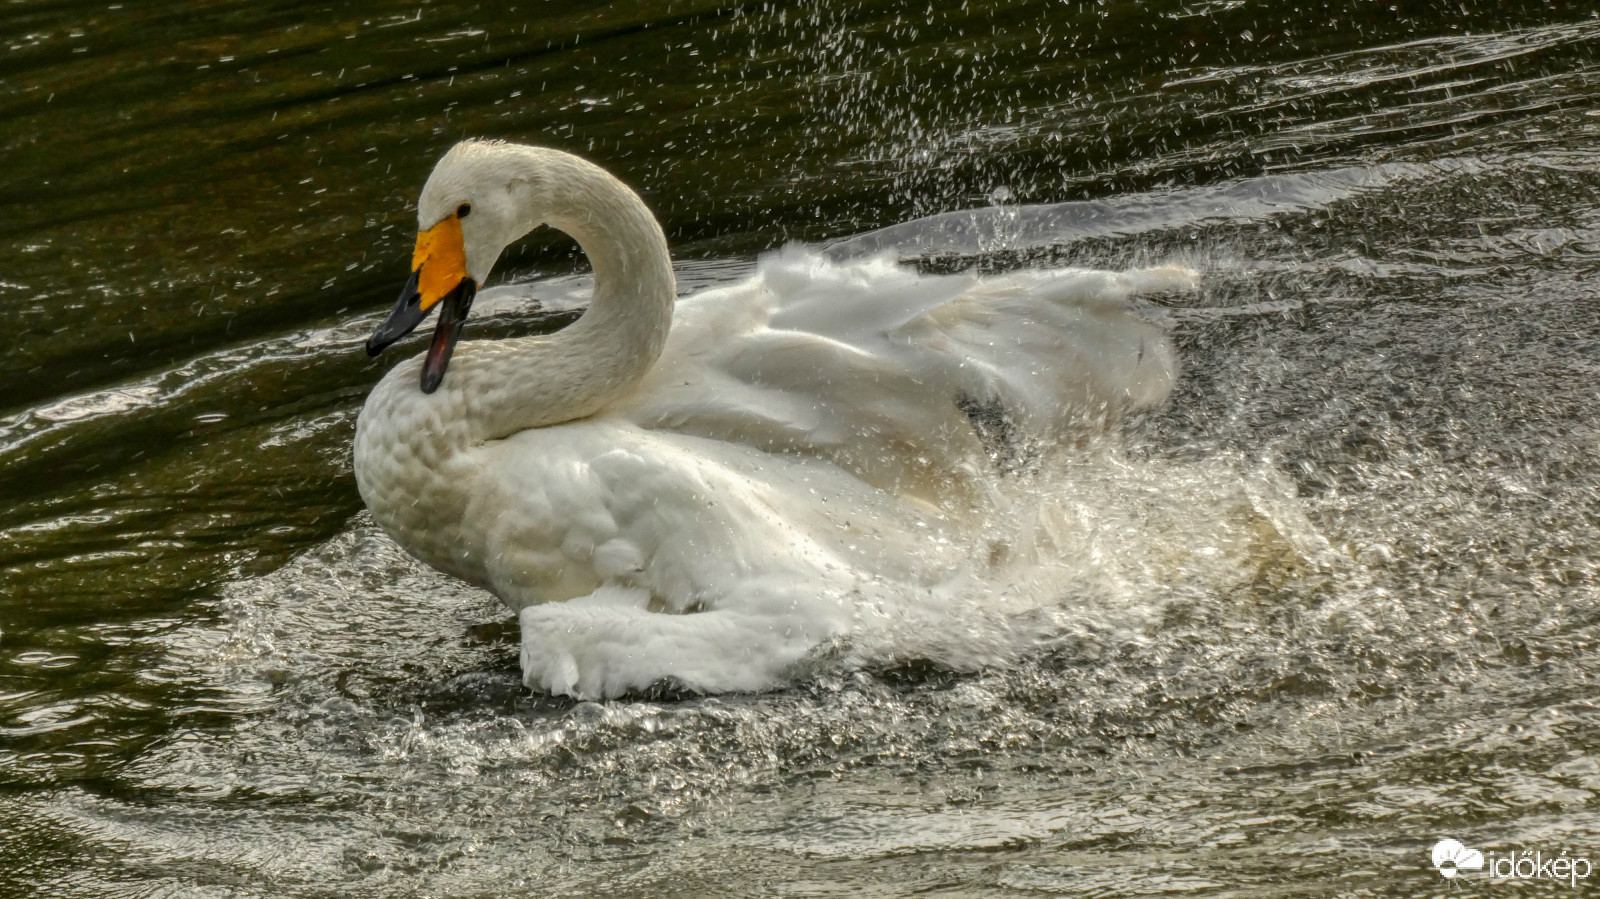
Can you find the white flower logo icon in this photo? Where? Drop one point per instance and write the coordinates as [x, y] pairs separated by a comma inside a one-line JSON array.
[[1451, 858]]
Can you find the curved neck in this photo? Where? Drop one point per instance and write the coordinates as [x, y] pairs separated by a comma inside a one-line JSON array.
[[531, 382]]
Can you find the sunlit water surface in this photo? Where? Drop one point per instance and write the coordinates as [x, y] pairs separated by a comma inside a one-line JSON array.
[[1335, 601]]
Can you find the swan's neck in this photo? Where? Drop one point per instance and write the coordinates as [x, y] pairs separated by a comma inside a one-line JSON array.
[[411, 466], [513, 385]]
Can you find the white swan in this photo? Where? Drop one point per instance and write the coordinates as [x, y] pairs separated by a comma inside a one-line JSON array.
[[707, 494]]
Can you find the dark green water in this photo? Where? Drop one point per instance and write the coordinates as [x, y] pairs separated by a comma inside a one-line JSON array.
[[216, 679]]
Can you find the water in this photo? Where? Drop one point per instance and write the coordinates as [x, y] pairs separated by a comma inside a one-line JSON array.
[[1372, 500]]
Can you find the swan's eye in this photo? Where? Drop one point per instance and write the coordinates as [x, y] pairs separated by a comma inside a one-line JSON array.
[[463, 210]]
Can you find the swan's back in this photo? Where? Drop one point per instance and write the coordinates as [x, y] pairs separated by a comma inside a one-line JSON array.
[[916, 383]]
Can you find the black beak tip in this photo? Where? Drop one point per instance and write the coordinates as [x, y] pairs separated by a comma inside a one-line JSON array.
[[431, 380], [405, 316]]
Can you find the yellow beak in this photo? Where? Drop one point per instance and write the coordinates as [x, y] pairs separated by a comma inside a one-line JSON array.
[[439, 261], [438, 275]]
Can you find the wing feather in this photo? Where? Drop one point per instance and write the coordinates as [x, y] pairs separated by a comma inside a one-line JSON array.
[[879, 368]]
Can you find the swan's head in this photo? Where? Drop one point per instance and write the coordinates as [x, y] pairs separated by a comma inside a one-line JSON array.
[[473, 206]]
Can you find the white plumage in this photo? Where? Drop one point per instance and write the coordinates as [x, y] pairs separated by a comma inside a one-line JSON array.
[[706, 494]]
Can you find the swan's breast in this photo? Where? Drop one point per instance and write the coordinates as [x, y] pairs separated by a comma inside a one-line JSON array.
[[417, 473]]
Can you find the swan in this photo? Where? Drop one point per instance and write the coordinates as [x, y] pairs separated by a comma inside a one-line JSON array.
[[703, 492]]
